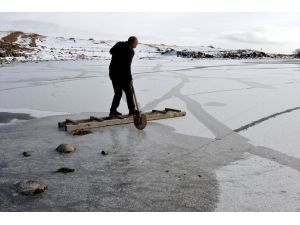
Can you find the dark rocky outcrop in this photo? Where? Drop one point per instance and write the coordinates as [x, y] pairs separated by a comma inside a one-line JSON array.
[[230, 54], [193, 54], [297, 53], [244, 54], [169, 51]]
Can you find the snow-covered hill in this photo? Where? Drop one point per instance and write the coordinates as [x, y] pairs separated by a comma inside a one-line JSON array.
[[20, 46]]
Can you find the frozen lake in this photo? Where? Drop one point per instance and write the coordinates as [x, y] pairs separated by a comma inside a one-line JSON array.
[[254, 169]]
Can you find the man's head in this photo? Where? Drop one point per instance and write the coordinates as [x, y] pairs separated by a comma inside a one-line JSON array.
[[133, 41]]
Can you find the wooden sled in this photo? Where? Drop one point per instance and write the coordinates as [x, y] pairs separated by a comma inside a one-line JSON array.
[[94, 122]]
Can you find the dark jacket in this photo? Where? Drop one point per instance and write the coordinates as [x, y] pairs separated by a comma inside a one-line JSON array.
[[120, 64]]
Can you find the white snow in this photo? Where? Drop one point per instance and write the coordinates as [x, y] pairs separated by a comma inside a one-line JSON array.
[[62, 48], [3, 33]]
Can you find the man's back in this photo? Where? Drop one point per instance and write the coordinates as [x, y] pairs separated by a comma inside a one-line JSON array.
[[120, 65]]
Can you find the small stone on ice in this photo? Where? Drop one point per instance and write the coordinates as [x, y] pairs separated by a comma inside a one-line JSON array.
[[104, 152], [66, 148], [26, 154], [65, 170], [29, 187]]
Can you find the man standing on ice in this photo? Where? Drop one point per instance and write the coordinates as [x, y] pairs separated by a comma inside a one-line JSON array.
[[120, 74]]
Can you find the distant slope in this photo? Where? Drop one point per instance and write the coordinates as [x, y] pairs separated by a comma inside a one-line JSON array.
[[20, 46]]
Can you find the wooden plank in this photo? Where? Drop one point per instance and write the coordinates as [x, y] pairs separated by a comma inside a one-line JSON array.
[[61, 124], [88, 124], [71, 121], [159, 111], [119, 117], [96, 118], [95, 124], [173, 110]]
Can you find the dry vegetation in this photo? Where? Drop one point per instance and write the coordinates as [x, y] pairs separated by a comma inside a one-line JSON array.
[[8, 47], [12, 37]]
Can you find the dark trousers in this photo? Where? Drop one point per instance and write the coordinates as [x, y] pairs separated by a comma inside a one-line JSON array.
[[119, 87]]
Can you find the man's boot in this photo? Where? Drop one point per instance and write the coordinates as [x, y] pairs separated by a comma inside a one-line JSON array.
[[133, 112], [115, 113]]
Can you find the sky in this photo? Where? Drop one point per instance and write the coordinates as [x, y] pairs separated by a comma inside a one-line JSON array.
[[270, 32]]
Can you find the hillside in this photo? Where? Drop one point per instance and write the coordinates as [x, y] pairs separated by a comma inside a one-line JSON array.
[[18, 46]]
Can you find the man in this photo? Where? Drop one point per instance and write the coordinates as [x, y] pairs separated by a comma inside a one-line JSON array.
[[120, 74]]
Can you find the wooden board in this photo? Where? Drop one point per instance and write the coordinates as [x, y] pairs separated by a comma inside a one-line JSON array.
[[94, 122]]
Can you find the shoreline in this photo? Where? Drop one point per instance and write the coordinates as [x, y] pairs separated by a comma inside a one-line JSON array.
[[292, 59]]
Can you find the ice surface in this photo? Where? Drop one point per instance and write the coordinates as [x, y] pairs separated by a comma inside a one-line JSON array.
[[32, 112], [247, 91], [257, 184], [143, 171], [189, 124], [281, 133], [233, 92], [218, 96]]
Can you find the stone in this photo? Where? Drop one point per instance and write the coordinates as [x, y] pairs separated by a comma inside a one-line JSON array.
[[65, 170], [29, 187], [26, 154], [66, 148], [81, 56], [104, 152], [169, 51]]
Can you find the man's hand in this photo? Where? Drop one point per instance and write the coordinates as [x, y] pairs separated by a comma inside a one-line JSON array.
[[130, 83]]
